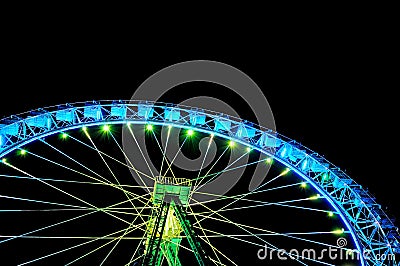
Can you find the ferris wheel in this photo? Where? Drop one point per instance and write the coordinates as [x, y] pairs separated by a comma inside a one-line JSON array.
[[71, 192]]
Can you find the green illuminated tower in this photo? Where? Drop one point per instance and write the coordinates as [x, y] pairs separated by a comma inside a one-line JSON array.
[[168, 221]]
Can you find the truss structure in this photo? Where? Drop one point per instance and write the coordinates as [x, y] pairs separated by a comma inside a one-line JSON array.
[[372, 230]]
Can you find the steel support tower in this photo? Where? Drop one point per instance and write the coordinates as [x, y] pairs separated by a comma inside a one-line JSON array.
[[167, 222]]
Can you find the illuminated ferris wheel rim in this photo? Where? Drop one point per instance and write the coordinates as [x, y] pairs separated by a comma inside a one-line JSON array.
[[369, 226]]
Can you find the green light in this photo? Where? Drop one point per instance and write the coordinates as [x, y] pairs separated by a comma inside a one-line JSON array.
[[64, 135], [190, 132], [149, 127], [4, 160], [212, 135], [338, 231], [231, 143], [303, 185], [84, 129], [106, 128], [315, 197], [22, 152], [129, 124], [248, 149], [287, 170], [269, 160], [350, 252], [325, 176], [169, 127], [330, 214]]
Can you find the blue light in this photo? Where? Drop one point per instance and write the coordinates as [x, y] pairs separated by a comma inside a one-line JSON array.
[[283, 152], [304, 165], [323, 166], [65, 115], [118, 110]]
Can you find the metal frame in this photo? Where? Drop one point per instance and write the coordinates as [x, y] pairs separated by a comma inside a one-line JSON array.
[[371, 229]]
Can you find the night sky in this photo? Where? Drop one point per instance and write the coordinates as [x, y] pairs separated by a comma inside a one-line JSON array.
[[332, 95]]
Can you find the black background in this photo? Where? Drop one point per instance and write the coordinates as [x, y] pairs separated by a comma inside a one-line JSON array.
[[330, 90]]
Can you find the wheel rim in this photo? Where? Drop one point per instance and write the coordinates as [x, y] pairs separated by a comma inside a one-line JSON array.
[[360, 197]]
